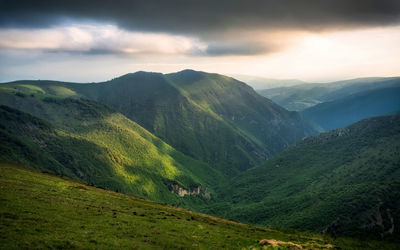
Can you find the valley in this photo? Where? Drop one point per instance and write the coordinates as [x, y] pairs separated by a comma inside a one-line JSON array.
[[226, 124], [211, 144]]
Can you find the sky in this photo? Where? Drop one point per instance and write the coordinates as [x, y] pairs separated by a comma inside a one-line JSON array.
[[94, 40]]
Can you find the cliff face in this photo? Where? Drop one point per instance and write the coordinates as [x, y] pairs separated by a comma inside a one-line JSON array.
[[181, 191]]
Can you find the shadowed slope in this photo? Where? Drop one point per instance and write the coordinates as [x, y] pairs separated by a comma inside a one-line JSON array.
[[345, 182]]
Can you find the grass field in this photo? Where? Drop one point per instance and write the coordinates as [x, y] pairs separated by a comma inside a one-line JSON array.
[[40, 210]]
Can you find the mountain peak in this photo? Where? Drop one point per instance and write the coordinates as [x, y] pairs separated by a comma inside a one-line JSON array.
[[139, 73], [189, 71]]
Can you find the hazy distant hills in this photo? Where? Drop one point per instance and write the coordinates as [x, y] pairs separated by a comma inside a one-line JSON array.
[[303, 96], [262, 83], [345, 181], [210, 117], [338, 104], [352, 108]]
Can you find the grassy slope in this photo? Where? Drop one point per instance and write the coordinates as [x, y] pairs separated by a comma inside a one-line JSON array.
[[199, 121], [344, 111], [342, 181], [160, 107], [239, 106], [305, 96], [44, 211], [92, 142], [187, 110]]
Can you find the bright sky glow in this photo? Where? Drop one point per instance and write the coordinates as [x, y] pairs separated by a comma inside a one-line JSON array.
[[105, 51]]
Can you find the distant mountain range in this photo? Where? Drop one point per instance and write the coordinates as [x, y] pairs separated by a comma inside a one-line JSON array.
[[354, 107], [303, 96], [338, 104], [262, 83]]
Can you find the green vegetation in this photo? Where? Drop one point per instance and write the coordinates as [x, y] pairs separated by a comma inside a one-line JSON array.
[[304, 96], [88, 141], [213, 118], [344, 182], [347, 110], [44, 211]]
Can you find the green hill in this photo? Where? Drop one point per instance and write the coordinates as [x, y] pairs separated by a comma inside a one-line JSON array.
[[344, 111], [44, 211], [304, 96], [213, 118], [88, 141], [345, 182]]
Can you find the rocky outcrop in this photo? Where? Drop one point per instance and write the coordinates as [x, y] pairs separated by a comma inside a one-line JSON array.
[[381, 218], [181, 191]]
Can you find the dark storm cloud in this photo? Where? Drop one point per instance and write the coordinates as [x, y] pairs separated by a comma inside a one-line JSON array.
[[205, 17]]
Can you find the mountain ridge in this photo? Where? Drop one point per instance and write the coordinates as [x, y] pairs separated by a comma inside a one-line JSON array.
[[79, 131], [166, 103]]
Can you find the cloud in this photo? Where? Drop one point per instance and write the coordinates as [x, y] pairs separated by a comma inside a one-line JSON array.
[[205, 17], [110, 40], [191, 27], [60, 38], [95, 40]]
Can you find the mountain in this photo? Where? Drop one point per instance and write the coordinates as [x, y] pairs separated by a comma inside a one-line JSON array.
[[352, 108], [213, 118], [88, 141], [304, 96], [344, 182], [261, 83], [45, 211]]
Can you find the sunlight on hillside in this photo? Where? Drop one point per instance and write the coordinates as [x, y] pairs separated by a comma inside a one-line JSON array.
[[33, 88], [62, 91]]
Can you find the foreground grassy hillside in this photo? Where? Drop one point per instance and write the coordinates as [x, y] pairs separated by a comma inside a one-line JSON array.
[[44, 211], [345, 182], [213, 118], [88, 141]]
